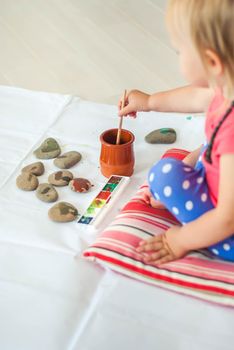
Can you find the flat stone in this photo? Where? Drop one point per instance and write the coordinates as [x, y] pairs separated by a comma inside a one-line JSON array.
[[48, 149], [163, 135], [63, 212], [60, 178], [27, 182], [46, 193], [34, 168], [67, 160], [80, 184]]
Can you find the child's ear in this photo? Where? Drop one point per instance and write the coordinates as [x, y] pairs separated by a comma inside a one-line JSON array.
[[213, 62]]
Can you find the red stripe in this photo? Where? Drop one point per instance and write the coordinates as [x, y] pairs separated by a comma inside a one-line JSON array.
[[175, 153], [160, 277], [141, 219], [155, 212]]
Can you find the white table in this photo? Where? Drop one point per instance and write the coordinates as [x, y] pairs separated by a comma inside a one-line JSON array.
[[50, 297]]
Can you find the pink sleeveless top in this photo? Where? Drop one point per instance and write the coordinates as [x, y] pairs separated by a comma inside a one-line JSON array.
[[223, 143]]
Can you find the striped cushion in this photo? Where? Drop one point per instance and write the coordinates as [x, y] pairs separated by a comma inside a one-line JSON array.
[[198, 274]]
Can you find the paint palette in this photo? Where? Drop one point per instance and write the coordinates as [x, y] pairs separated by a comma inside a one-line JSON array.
[[98, 208]]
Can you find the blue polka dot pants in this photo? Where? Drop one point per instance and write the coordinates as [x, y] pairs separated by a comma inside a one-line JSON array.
[[184, 192]]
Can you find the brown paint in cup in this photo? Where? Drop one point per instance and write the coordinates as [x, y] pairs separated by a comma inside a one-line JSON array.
[[117, 159]]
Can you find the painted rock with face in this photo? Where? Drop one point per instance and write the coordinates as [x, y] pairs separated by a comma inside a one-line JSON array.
[[63, 212], [27, 182], [80, 184], [34, 168], [60, 178], [48, 149], [46, 193], [163, 135], [67, 160]]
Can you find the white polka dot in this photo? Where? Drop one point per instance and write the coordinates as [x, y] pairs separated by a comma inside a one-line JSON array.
[[175, 210], [226, 246], [215, 251], [151, 177], [166, 168], [183, 223], [167, 191], [200, 180], [186, 184], [200, 159], [189, 205], [204, 197], [187, 169], [156, 196]]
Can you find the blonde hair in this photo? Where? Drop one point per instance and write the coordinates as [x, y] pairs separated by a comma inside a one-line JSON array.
[[210, 24]]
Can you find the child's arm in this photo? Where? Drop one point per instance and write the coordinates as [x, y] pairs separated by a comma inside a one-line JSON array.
[[187, 99], [192, 158], [210, 228]]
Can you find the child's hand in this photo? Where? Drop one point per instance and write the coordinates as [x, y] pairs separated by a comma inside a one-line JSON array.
[[148, 198], [163, 248], [136, 101]]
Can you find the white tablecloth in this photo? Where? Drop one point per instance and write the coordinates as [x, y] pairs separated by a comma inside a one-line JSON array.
[[50, 297]]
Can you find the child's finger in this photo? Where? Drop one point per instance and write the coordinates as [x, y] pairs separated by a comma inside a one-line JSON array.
[[126, 110], [164, 260], [157, 238], [157, 256], [119, 104], [147, 247]]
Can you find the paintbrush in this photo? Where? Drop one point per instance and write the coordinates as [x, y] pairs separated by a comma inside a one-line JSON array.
[[121, 118]]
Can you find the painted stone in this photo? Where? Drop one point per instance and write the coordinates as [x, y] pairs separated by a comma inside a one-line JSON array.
[[67, 160], [34, 168], [63, 212], [46, 193], [48, 149], [60, 178], [80, 184], [163, 135], [27, 182]]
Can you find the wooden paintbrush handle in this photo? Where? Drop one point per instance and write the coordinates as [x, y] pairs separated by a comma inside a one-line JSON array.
[[121, 118]]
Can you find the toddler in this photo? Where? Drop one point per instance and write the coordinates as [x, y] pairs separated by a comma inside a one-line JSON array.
[[198, 191]]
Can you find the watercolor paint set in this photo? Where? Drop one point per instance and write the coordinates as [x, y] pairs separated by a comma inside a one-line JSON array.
[[104, 200]]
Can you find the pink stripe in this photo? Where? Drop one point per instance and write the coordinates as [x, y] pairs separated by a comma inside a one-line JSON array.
[[156, 275], [126, 237], [142, 207], [222, 269], [223, 266], [140, 220], [183, 266], [176, 153], [162, 214], [120, 249], [207, 273], [199, 275]]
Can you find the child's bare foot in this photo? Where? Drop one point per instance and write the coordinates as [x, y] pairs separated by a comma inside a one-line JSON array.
[[148, 198], [156, 204]]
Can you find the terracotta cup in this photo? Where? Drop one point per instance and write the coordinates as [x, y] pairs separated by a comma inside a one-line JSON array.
[[117, 159]]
